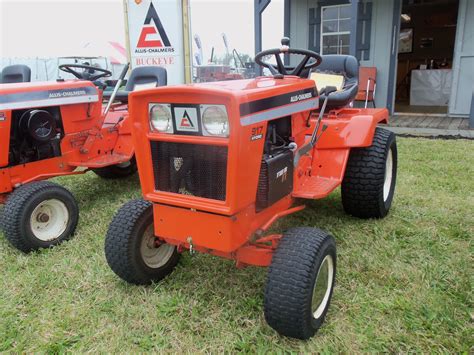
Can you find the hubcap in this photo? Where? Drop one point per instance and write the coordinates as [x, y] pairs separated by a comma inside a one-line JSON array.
[[155, 255], [322, 287], [388, 175], [49, 220]]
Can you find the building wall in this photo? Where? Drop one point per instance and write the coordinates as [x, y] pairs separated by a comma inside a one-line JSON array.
[[299, 23], [380, 42], [462, 92], [381, 47]]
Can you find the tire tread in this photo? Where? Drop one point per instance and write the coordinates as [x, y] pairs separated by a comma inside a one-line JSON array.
[[362, 186], [289, 282]]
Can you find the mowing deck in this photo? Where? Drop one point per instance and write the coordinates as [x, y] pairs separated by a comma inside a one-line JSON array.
[[430, 126]]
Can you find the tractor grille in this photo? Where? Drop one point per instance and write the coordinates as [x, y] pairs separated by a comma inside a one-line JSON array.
[[190, 169]]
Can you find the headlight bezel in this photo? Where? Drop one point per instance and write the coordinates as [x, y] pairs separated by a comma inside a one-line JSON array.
[[206, 131], [154, 128]]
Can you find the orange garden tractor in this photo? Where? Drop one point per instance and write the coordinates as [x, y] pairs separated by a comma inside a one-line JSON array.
[[220, 162], [53, 129]]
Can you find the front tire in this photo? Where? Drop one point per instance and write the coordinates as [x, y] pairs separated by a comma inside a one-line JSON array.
[[300, 282], [39, 215], [369, 181], [131, 248], [117, 171]]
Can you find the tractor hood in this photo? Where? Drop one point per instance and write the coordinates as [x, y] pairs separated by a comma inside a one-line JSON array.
[[257, 100], [43, 94]]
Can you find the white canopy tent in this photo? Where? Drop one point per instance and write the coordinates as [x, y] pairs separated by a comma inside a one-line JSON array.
[[108, 55]]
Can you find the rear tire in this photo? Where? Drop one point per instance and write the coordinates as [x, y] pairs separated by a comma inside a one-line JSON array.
[[117, 171], [369, 181], [300, 282], [130, 246], [39, 215]]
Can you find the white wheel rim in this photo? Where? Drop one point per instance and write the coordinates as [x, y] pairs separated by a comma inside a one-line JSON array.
[[154, 256], [124, 164], [49, 220], [322, 286], [388, 175]]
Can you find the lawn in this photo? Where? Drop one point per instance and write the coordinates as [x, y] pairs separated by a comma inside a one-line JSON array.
[[404, 283]]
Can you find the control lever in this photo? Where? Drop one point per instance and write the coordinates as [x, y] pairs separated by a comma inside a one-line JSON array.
[[315, 137], [328, 90], [116, 88]]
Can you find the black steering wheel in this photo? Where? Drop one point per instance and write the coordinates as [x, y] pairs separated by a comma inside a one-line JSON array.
[[279, 68], [87, 72]]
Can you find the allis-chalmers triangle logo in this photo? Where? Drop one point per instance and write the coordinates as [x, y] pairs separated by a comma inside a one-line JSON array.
[[186, 121], [153, 34]]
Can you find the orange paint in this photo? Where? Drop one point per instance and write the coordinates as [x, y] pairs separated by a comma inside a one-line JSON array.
[[232, 228]]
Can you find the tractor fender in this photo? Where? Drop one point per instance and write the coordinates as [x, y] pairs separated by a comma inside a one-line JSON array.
[[355, 131]]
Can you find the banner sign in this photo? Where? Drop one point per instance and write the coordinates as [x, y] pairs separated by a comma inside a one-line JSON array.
[[155, 35]]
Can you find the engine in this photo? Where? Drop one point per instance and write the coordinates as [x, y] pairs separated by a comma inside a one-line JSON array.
[[35, 135]]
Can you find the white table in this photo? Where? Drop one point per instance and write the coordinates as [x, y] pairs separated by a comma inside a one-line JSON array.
[[430, 87]]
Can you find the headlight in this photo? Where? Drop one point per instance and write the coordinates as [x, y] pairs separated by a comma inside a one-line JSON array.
[[160, 118], [214, 120]]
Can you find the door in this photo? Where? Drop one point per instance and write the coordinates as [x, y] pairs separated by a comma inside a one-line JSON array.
[[463, 63]]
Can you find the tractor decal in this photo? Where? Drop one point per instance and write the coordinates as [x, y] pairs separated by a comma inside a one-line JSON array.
[[186, 119], [48, 98], [280, 111], [248, 108], [149, 29]]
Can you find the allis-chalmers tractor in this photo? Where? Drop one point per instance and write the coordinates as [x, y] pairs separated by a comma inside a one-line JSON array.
[[50, 129], [220, 162]]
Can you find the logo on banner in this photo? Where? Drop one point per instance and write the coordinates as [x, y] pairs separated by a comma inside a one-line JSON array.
[[153, 35], [186, 119]]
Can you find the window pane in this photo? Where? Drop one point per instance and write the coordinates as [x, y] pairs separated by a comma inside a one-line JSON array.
[[329, 45], [344, 40], [330, 41], [329, 13], [345, 12], [344, 50], [344, 25], [329, 26], [330, 50]]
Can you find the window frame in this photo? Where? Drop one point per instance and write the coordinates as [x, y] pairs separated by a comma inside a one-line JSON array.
[[337, 33]]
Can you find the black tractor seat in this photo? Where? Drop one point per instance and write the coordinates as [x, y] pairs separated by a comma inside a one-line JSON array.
[[141, 78], [15, 74], [348, 67]]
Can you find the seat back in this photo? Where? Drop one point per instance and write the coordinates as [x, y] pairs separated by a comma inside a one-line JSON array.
[[367, 78], [345, 65], [18, 73], [146, 77]]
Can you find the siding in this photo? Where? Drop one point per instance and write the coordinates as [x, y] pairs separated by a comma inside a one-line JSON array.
[[380, 42]]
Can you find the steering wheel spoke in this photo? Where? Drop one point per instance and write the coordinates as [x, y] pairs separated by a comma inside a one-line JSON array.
[[280, 66], [302, 65]]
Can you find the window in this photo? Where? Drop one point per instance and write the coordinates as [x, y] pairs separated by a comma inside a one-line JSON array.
[[335, 29]]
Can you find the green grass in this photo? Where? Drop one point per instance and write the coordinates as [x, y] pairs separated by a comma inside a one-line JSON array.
[[404, 283]]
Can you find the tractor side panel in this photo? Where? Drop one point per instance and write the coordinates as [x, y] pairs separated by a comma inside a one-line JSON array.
[[80, 117], [5, 122], [330, 163], [124, 144], [38, 170], [5, 182]]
